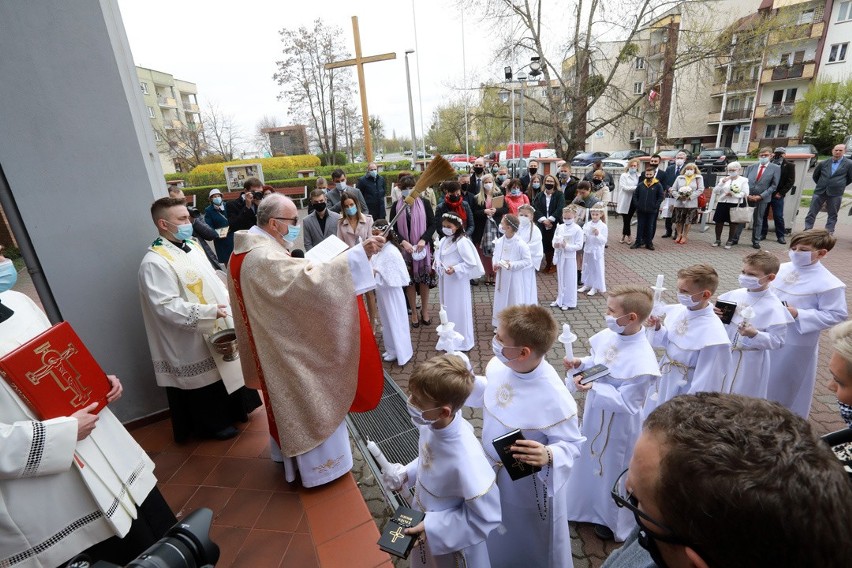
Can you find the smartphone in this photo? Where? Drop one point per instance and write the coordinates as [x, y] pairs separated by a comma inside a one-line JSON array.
[[728, 310]]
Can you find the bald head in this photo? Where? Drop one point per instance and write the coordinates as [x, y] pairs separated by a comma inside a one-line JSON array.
[[275, 205]]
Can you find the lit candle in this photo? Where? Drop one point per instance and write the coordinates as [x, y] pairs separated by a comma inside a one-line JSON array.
[[660, 280], [443, 315]]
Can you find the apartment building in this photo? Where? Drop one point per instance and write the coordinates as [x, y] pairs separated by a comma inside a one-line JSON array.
[[172, 106], [835, 63]]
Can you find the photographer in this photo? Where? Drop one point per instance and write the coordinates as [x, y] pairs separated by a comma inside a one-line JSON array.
[[242, 211]]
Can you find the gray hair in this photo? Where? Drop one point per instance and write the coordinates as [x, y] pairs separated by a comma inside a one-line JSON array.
[[841, 338], [735, 166], [271, 206]]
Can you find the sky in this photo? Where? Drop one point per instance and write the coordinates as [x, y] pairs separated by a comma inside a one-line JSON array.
[[229, 49]]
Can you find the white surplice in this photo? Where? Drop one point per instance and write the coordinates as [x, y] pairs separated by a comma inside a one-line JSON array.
[[58, 495], [531, 235], [333, 457], [454, 289], [594, 274], [455, 485], [509, 282], [565, 259], [749, 371], [697, 354], [820, 298], [611, 425], [540, 406], [391, 277]]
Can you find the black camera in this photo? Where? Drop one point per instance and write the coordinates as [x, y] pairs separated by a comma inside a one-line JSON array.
[[258, 195], [186, 545], [193, 212]]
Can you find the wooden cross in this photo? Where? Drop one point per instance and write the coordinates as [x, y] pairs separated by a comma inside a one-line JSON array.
[[359, 63]]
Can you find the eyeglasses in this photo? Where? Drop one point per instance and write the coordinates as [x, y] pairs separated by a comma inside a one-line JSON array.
[[624, 498], [294, 219]]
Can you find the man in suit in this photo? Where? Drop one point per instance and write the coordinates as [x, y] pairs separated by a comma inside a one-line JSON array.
[[476, 179], [548, 207], [785, 184], [763, 178], [668, 179], [831, 177], [372, 186], [531, 171], [321, 222], [338, 179]]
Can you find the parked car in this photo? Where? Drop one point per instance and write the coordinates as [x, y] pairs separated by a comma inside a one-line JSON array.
[[614, 167], [715, 159], [804, 149], [848, 143], [587, 158], [407, 153], [670, 154], [463, 167], [627, 154]]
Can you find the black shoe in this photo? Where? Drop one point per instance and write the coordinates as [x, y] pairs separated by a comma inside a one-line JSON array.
[[667, 235], [735, 242], [636, 245], [782, 240], [603, 532], [225, 433], [755, 245], [674, 237], [649, 247], [474, 282]]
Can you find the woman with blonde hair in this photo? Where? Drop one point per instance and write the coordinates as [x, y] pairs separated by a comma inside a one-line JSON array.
[[731, 191], [627, 183], [685, 191]]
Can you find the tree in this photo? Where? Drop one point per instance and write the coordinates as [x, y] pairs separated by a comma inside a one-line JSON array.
[[377, 130], [825, 113], [261, 139], [315, 96], [185, 145], [222, 133]]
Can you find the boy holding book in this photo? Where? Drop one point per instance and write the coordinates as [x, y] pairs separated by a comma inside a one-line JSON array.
[[611, 415], [453, 481], [522, 391]]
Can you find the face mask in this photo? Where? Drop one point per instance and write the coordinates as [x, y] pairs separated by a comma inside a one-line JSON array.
[[612, 324], [417, 415], [320, 206], [217, 201], [351, 211], [548, 187], [563, 175], [516, 191], [184, 232], [464, 186], [653, 165], [686, 300], [8, 275], [733, 174], [293, 233], [447, 231], [501, 230], [533, 170], [678, 163], [405, 192], [763, 160], [647, 542], [341, 185], [372, 173], [632, 170], [501, 178], [749, 282], [568, 221], [525, 222], [800, 258], [488, 186], [478, 170], [689, 173], [497, 349], [649, 175], [536, 185], [454, 198]]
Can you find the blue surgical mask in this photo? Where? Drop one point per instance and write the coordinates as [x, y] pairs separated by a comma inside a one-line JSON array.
[[632, 170], [217, 201], [372, 173], [536, 185], [763, 160], [351, 211], [341, 185], [293, 233], [8, 275], [516, 191], [184, 232]]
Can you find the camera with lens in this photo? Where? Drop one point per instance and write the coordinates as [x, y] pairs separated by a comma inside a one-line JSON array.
[[258, 195], [186, 545], [193, 212]]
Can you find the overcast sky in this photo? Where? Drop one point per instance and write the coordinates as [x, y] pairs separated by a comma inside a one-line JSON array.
[[229, 50]]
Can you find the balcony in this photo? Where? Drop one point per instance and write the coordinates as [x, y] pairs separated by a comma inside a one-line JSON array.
[[804, 70], [172, 124], [657, 50], [738, 115], [779, 109], [797, 33], [190, 107], [776, 142], [168, 102]]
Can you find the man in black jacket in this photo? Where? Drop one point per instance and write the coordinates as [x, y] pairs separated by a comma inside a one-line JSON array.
[[372, 187], [242, 211], [776, 204], [647, 198]]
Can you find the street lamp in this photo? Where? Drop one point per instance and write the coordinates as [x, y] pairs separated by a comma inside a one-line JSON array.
[[411, 110], [522, 79]]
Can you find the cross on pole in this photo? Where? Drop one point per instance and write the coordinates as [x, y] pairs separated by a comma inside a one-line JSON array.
[[359, 62]]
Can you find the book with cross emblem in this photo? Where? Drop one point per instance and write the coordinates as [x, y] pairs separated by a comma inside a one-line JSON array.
[[55, 374], [394, 540], [516, 469]]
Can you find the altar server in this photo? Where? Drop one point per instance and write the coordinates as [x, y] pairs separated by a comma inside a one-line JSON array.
[[531, 234], [391, 277], [594, 247], [511, 258], [567, 241]]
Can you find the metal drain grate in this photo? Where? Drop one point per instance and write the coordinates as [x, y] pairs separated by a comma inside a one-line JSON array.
[[389, 426]]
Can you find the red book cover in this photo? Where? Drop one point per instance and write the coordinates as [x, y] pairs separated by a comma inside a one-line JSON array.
[[55, 374]]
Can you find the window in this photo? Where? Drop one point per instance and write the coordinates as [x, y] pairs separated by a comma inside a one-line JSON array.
[[755, 72], [157, 136], [770, 131], [791, 95], [785, 59], [777, 96], [845, 12], [144, 86], [150, 112], [632, 135], [640, 63], [838, 52], [637, 88], [806, 17], [782, 130]]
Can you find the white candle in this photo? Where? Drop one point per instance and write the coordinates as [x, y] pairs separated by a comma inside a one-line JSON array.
[[443, 315], [660, 280], [378, 455]]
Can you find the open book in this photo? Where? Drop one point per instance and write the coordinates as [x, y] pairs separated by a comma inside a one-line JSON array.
[[329, 247]]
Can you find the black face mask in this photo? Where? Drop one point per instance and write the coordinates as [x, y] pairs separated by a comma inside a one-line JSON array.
[[533, 170], [647, 542], [319, 206], [478, 170], [548, 186], [464, 186], [454, 198]]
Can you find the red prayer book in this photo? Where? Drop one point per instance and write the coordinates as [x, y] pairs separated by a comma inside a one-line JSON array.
[[55, 374]]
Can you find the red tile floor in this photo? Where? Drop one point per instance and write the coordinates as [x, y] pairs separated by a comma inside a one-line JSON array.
[[260, 520]]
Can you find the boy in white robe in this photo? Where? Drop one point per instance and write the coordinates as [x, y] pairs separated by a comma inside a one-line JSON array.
[[567, 241], [522, 391], [391, 277], [759, 326], [817, 300], [457, 263], [697, 349], [594, 247], [453, 481], [531, 234], [612, 413], [511, 258]]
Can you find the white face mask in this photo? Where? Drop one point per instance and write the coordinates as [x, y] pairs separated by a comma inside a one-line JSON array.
[[497, 349], [801, 258], [501, 230], [689, 173], [749, 282], [733, 174], [447, 231], [678, 162], [488, 185], [612, 324], [686, 300], [568, 221], [525, 221], [417, 415]]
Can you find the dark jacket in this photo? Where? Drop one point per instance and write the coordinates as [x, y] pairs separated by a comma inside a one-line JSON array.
[[647, 199], [333, 196], [557, 203], [240, 217], [570, 188], [788, 177], [832, 185], [203, 233], [374, 194], [218, 219], [479, 218], [607, 179]]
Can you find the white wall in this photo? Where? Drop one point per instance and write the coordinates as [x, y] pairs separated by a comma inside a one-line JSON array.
[[837, 32], [81, 164]]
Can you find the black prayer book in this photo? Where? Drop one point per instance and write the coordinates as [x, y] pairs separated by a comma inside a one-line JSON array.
[[728, 310], [516, 469], [592, 374], [394, 540]]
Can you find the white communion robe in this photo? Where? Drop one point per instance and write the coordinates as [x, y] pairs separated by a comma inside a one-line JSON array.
[[697, 354], [565, 258], [594, 275], [820, 298], [531, 235], [749, 371], [455, 485], [540, 406], [611, 425], [333, 457], [58, 495], [391, 277], [509, 283], [454, 289]]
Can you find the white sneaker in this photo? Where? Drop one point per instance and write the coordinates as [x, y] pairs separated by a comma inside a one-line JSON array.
[[592, 292], [565, 308], [554, 304], [582, 288], [388, 356]]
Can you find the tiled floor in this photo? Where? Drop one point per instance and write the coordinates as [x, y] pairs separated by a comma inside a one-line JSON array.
[[259, 519]]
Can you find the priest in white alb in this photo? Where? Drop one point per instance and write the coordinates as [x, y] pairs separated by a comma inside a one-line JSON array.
[[306, 339]]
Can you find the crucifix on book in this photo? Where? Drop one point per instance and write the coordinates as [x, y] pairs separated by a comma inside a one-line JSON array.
[[359, 62]]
